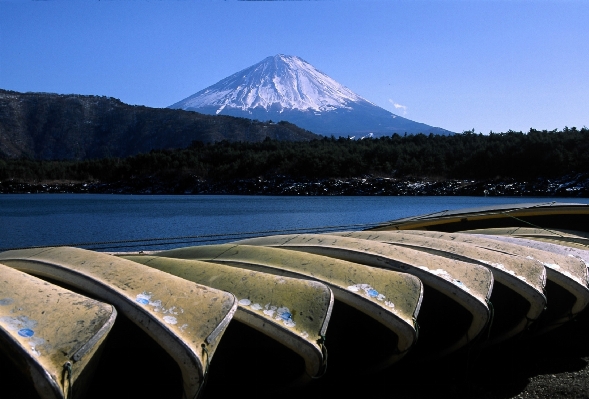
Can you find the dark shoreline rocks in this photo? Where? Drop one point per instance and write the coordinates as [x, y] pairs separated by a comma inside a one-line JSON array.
[[574, 185]]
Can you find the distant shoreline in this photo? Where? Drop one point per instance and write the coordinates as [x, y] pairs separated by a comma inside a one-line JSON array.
[[570, 186]]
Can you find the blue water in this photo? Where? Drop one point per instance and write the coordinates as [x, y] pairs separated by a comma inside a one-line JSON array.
[[75, 219]]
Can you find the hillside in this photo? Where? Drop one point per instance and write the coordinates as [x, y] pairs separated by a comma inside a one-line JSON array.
[[49, 126]]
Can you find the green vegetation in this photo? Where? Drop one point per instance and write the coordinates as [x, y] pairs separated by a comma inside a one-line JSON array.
[[462, 156]]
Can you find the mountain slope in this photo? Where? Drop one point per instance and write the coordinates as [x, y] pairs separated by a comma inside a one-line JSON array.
[[289, 88], [51, 126]]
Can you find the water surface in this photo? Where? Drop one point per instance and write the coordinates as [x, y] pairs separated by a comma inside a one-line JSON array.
[[72, 219]]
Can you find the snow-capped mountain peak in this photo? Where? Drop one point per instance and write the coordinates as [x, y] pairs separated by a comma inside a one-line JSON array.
[[278, 82], [288, 88]]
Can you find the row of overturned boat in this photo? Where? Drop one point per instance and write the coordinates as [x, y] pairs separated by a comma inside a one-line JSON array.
[[261, 313]]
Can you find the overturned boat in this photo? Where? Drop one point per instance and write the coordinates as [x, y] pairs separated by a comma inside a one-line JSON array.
[[557, 248], [461, 290], [184, 318], [555, 215], [55, 354], [518, 292], [571, 238], [293, 312], [390, 298], [566, 277]]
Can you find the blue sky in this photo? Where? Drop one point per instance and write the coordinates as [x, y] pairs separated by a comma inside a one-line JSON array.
[[482, 64]]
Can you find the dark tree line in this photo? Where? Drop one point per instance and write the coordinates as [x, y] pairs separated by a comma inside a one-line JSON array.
[[462, 156]]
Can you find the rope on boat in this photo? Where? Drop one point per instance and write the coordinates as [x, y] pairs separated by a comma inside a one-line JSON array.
[[150, 242], [491, 319], [533, 225], [416, 324], [205, 373], [67, 377], [323, 369]]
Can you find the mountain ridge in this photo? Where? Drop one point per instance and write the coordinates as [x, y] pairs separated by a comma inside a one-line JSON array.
[[50, 126]]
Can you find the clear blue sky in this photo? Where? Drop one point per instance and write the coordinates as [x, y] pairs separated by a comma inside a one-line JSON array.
[[482, 64]]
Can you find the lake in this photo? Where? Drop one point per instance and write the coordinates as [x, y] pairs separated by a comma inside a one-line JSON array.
[[130, 222]]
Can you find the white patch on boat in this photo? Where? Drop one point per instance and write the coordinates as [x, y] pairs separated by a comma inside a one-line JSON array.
[[183, 327], [371, 293], [256, 306], [157, 305], [289, 323], [245, 302], [269, 310], [304, 334], [35, 351], [170, 319], [461, 285], [530, 257], [143, 298], [35, 343], [25, 328], [171, 310], [368, 290], [18, 323], [423, 268], [442, 273]]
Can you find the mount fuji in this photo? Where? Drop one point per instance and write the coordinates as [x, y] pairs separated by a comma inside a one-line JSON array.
[[287, 88]]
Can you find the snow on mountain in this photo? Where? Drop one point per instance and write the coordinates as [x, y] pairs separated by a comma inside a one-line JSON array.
[[288, 88]]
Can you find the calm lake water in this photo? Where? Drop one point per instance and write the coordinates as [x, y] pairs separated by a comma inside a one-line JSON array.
[[75, 219]]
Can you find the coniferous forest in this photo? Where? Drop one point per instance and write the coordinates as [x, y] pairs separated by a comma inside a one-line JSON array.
[[514, 157]]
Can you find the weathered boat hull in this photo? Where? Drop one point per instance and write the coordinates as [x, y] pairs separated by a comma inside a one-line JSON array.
[[466, 285], [573, 239], [518, 292], [52, 334], [567, 277], [266, 303], [551, 214], [184, 318], [560, 248], [391, 298]]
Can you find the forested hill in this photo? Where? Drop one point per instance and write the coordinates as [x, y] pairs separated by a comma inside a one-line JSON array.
[[48, 126], [542, 161]]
